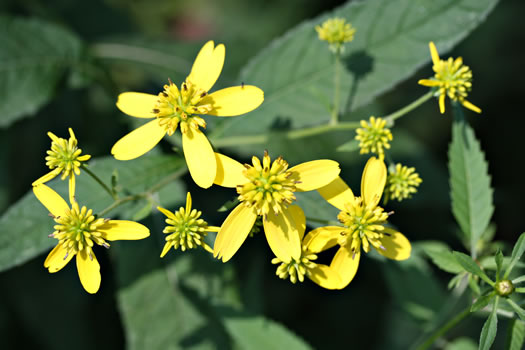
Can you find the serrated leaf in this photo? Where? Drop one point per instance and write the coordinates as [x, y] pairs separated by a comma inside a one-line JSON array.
[[26, 225], [443, 258], [481, 302], [517, 252], [34, 56], [516, 335], [470, 266], [470, 189], [490, 328], [391, 44]]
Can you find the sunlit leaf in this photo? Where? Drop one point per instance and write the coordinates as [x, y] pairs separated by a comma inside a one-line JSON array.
[[516, 335], [490, 328]]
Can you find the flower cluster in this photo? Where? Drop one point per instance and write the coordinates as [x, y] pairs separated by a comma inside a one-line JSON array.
[[336, 31]]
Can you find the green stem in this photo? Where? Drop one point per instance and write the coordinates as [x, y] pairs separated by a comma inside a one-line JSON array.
[[100, 182], [408, 108], [337, 88], [441, 331]]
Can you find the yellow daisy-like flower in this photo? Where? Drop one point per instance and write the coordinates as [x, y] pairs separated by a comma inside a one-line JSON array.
[[373, 136], [363, 224], [297, 269], [181, 106], [77, 231], [64, 157], [266, 189], [335, 31], [186, 229], [452, 79], [401, 182]]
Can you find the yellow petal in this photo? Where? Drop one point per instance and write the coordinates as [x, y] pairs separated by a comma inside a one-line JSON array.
[[207, 66], [233, 232], [47, 177], [315, 174], [234, 101], [139, 141], [325, 277], [337, 193], [137, 104], [71, 188], [428, 82], [397, 246], [299, 219], [373, 181], [88, 271], [57, 259], [470, 106], [200, 157], [442, 104], [166, 212], [166, 248], [434, 53], [345, 263], [51, 200], [114, 230], [322, 238], [230, 173], [282, 235]]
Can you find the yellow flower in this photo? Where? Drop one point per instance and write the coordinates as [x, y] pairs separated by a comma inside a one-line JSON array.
[[363, 224], [374, 136], [335, 31], [296, 269], [266, 189], [173, 107], [401, 182], [187, 230], [77, 231], [452, 79], [64, 157]]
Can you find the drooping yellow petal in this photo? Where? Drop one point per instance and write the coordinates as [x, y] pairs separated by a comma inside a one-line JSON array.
[[325, 277], [442, 103], [47, 177], [397, 246], [299, 219], [200, 157], [282, 235], [433, 53], [315, 174], [470, 106], [139, 141], [229, 172], [88, 271], [429, 82], [373, 181], [166, 248], [51, 200], [345, 263], [233, 232], [71, 188], [234, 100], [207, 66], [57, 259], [337, 193], [322, 238], [137, 104], [114, 230]]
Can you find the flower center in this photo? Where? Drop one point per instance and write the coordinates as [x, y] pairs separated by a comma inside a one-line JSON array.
[[504, 288], [296, 269], [65, 155], [179, 106], [363, 226], [401, 183], [77, 230], [188, 230], [270, 185], [454, 77], [373, 136]]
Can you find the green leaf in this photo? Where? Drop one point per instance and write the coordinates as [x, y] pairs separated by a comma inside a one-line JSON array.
[[517, 252], [463, 343], [517, 309], [390, 45], [516, 335], [35, 55], [26, 225], [470, 266], [469, 182], [490, 328], [350, 146], [481, 302], [442, 257]]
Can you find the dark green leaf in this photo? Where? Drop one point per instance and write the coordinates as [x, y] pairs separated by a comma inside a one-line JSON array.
[[462, 344], [517, 309], [34, 57], [350, 146], [469, 182], [26, 225], [470, 266], [517, 252], [443, 258], [516, 335], [490, 328], [481, 302]]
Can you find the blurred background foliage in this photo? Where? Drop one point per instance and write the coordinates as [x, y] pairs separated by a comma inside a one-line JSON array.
[[136, 45]]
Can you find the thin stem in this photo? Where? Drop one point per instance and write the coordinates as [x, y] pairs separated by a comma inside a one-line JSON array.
[[322, 221], [408, 108], [441, 331], [100, 182], [337, 88]]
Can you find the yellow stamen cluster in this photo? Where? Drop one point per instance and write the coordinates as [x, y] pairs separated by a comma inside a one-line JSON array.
[[453, 79], [363, 226], [296, 269], [187, 230], [336, 31], [270, 185], [64, 155], [180, 106], [374, 136], [401, 183], [77, 230]]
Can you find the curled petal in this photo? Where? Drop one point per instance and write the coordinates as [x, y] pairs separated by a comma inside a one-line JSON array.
[[51, 200], [397, 246], [137, 104], [57, 259], [139, 141], [470, 106], [114, 230], [373, 181], [233, 232], [230, 173], [434, 53], [207, 66], [337, 193], [345, 263], [234, 101], [314, 174], [322, 238], [325, 277], [200, 157], [88, 271]]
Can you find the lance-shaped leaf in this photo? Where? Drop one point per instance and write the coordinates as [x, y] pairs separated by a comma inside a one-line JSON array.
[[470, 266], [517, 252], [490, 328]]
